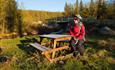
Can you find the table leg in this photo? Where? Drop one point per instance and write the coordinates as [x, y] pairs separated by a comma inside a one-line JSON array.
[[41, 38], [53, 54]]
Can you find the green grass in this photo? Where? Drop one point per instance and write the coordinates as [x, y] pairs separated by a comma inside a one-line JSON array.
[[9, 46], [19, 59]]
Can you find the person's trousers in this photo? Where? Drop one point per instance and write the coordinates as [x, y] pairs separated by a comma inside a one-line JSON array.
[[79, 46]]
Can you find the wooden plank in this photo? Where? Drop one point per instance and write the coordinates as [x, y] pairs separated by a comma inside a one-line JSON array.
[[63, 39], [45, 48], [53, 54], [54, 36], [56, 59], [56, 49], [39, 47], [59, 39]]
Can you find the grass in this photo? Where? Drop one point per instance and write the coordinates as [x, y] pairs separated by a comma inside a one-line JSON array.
[[19, 59]]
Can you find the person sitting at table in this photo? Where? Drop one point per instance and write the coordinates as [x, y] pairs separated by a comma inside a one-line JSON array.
[[77, 31]]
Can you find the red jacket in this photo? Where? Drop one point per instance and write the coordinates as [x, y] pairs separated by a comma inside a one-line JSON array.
[[77, 31]]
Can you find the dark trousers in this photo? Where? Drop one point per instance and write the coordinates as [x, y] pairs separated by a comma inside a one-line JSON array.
[[79, 46]]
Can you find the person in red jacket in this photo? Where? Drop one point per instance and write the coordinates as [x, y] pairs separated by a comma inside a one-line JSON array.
[[77, 31]]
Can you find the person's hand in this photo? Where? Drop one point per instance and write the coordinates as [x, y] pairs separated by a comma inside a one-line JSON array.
[[76, 40]]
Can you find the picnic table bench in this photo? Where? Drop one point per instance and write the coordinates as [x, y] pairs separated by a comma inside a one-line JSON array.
[[51, 51], [39, 47]]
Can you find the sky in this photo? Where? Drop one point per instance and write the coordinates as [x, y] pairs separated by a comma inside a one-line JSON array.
[[45, 5]]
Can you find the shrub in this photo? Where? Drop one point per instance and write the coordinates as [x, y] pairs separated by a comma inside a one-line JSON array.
[[73, 65]]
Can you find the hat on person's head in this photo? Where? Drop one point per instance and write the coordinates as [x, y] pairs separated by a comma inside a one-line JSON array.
[[78, 16]]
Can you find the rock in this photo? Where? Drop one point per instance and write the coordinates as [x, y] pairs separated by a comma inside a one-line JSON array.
[[106, 30], [3, 59], [61, 62], [102, 43]]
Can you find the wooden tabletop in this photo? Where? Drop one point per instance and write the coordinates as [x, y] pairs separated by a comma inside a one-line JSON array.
[[54, 36]]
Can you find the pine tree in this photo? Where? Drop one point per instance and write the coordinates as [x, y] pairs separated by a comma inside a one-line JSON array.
[[76, 11], [114, 9], [71, 9], [19, 22], [85, 12], [67, 10], [92, 8], [11, 15], [101, 10], [81, 6], [8, 14]]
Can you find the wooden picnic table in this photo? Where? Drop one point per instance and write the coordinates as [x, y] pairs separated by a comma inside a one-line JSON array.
[[56, 38]]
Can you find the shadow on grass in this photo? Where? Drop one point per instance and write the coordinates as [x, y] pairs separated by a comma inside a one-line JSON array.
[[91, 44], [26, 47], [31, 51]]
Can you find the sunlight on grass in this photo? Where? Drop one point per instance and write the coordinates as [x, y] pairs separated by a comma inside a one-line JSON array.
[[93, 59]]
